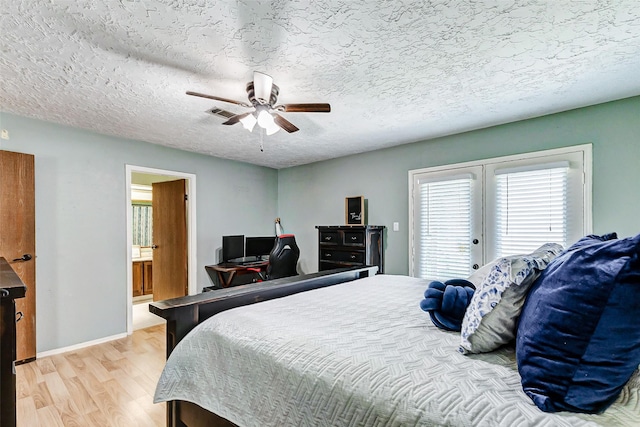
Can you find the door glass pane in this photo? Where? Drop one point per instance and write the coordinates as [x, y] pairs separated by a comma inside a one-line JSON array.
[[531, 209], [444, 232]]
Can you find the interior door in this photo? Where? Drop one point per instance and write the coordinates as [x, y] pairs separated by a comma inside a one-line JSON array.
[[169, 239], [18, 240]]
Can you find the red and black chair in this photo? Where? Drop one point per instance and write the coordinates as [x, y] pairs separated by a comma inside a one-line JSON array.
[[283, 259]]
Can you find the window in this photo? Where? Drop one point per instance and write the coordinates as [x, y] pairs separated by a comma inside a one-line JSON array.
[[142, 214], [463, 216], [141, 224]]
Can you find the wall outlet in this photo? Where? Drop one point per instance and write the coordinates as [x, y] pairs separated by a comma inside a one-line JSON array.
[[396, 226], [4, 134]]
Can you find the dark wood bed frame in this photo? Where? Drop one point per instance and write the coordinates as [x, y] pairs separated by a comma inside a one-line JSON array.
[[183, 314]]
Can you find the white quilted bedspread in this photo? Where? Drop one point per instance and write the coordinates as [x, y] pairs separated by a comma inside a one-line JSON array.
[[357, 354]]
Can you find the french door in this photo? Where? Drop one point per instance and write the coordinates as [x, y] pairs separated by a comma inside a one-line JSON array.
[[463, 216]]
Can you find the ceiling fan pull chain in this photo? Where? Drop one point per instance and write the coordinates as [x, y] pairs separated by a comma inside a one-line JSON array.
[[262, 140]]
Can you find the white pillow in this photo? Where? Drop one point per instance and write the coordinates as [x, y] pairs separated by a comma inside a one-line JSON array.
[[501, 289]]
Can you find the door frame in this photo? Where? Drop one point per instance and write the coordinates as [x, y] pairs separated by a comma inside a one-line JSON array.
[[191, 231]]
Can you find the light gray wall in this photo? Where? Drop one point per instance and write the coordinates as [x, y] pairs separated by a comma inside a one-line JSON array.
[[314, 194], [81, 220], [80, 200]]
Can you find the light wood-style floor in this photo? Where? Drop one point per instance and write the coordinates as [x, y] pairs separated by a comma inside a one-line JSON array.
[[109, 384]]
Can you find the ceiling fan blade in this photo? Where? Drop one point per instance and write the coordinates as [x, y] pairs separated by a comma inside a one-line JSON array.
[[304, 108], [284, 123], [262, 84], [235, 119], [217, 98]]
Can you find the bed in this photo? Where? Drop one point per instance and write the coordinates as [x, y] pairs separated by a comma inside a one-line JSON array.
[[185, 313], [353, 349]]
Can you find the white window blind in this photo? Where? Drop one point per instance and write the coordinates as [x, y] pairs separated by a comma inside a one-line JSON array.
[[531, 209], [445, 227]]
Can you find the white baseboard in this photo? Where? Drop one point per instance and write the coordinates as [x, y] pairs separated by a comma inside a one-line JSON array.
[[81, 345]]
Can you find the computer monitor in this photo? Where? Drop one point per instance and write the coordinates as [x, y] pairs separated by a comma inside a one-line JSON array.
[[259, 246], [232, 247]]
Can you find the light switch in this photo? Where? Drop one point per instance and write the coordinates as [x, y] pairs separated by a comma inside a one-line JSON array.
[[396, 226]]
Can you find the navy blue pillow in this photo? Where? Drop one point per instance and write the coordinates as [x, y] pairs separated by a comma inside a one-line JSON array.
[[447, 302], [578, 338]]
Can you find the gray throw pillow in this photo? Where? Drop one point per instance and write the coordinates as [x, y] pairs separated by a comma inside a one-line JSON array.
[[491, 318]]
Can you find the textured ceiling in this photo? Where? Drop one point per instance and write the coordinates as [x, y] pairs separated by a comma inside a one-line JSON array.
[[394, 72]]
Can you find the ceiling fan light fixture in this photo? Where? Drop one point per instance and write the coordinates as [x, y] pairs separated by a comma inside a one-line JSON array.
[[265, 120], [262, 84], [248, 122], [272, 129]]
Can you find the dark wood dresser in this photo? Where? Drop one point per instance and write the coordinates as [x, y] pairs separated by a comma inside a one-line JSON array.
[[11, 288], [350, 246]]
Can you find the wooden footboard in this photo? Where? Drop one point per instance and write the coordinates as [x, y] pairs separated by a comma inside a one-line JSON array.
[[183, 314]]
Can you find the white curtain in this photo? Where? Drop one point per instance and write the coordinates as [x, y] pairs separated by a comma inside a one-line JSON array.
[[142, 225]]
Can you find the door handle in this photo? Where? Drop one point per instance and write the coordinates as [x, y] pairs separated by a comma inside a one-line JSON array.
[[154, 246], [25, 257]]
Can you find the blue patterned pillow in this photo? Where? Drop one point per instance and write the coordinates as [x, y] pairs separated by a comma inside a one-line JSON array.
[[578, 339], [491, 318]]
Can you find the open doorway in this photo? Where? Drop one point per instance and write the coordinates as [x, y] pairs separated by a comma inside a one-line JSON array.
[[139, 180]]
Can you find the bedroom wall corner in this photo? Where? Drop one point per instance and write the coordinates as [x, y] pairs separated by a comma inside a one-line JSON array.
[[314, 194], [81, 222]]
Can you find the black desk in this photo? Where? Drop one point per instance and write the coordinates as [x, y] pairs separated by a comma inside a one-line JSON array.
[[227, 271]]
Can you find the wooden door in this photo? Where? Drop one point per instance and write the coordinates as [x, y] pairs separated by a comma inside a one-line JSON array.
[[169, 239], [18, 240]]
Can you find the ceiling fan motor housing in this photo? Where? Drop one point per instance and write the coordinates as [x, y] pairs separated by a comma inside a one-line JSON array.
[[251, 93]]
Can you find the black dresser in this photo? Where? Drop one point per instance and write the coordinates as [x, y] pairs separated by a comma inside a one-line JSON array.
[[342, 246]]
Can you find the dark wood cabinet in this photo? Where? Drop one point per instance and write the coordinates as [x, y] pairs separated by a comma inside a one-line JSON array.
[[147, 283], [137, 278], [350, 246], [142, 278]]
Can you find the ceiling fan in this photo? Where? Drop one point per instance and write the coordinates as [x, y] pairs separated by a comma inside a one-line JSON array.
[[263, 94]]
